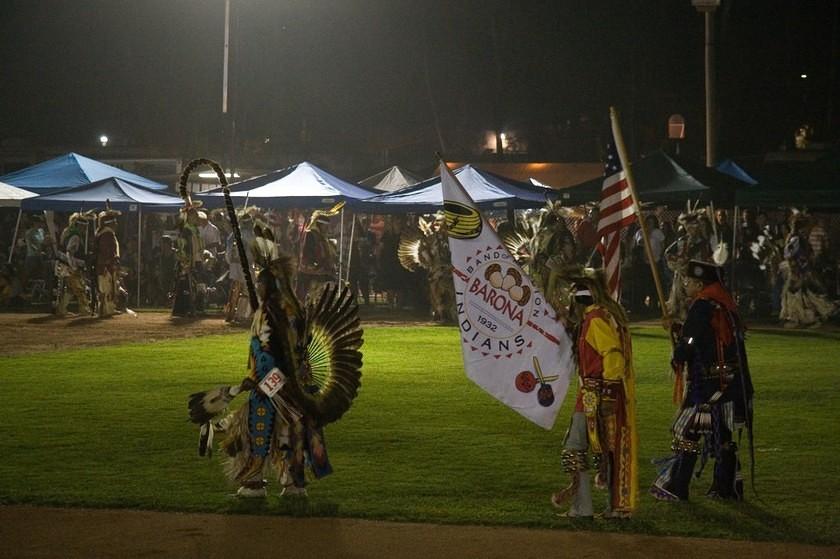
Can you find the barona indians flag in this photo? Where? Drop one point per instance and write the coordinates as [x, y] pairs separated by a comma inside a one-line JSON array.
[[512, 345]]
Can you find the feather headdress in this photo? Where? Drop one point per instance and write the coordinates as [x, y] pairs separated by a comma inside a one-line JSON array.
[[82, 217], [595, 280], [108, 214], [322, 216]]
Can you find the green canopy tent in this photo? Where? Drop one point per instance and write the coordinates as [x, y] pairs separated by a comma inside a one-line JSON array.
[[800, 178], [659, 179]]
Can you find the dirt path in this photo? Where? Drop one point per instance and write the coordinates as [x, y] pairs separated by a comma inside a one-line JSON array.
[[30, 333], [35, 532]]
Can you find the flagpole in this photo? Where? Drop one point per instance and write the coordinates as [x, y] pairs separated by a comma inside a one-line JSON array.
[[15, 234], [139, 248], [625, 164], [341, 246], [350, 249]]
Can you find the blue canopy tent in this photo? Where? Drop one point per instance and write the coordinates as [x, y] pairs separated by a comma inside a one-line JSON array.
[[121, 195], [488, 190], [71, 170], [303, 185], [658, 178], [729, 167]]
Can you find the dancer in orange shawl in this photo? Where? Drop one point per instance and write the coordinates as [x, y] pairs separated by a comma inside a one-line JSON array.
[[717, 399], [604, 421]]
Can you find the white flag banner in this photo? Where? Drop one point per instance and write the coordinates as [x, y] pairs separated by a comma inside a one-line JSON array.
[[512, 345]]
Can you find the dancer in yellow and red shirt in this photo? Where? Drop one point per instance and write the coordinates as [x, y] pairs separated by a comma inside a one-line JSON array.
[[604, 421]]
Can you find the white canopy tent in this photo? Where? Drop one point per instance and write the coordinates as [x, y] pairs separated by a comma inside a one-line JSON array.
[[11, 197], [391, 179]]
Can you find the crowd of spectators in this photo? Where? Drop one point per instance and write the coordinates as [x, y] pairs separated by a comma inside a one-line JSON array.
[[760, 254], [768, 257]]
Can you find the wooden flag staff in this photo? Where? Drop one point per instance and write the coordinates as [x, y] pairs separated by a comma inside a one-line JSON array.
[[625, 164]]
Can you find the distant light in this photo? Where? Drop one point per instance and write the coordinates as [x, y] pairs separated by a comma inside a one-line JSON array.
[[490, 141], [103, 139], [212, 175], [267, 139], [502, 136], [705, 5], [803, 76]]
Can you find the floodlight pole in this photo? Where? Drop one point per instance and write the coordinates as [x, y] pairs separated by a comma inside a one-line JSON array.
[[225, 97], [707, 8], [226, 58]]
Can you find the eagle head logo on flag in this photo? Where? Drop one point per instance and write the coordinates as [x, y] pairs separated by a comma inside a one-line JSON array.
[[462, 221], [512, 344]]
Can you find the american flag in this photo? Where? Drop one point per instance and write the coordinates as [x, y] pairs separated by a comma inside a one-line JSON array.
[[616, 212]]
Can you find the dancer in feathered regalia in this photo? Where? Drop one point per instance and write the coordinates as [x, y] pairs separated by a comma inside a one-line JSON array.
[[304, 372], [545, 248], [804, 302], [188, 251], [317, 259], [237, 307], [430, 251], [107, 261], [603, 424], [693, 245], [70, 265]]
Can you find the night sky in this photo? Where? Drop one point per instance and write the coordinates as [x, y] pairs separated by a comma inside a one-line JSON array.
[[353, 74]]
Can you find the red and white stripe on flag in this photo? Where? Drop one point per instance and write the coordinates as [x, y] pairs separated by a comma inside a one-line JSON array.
[[616, 211]]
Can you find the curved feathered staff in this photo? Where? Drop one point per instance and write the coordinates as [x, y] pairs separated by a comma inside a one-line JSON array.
[[204, 406], [234, 222]]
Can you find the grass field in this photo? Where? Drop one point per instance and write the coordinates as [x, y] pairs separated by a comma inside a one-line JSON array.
[[107, 428]]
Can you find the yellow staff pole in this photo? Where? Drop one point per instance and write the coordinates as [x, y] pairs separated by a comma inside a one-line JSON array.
[[625, 164]]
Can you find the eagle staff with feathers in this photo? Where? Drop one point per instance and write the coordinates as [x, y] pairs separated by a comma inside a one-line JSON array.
[[304, 371]]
